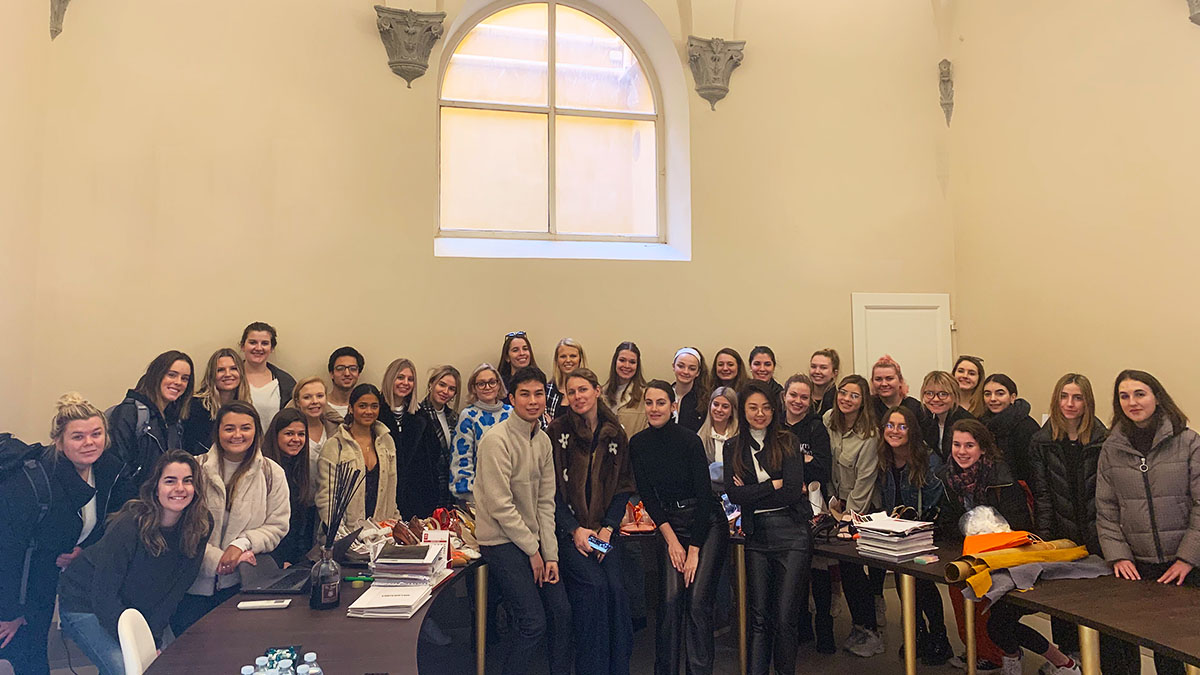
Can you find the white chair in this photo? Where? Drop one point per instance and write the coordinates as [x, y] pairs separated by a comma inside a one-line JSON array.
[[137, 642]]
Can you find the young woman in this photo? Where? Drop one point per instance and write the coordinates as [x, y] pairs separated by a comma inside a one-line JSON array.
[[515, 354], [363, 443], [247, 495], [322, 421], [691, 388], [812, 441], [975, 474], [672, 477], [149, 555], [270, 386], [823, 369], [908, 477], [1007, 417], [486, 407], [223, 382], [720, 426], [149, 421], [968, 373], [399, 403], [286, 444], [594, 482], [568, 355], [625, 388], [1063, 456], [939, 394], [854, 442], [424, 455], [729, 370], [1151, 459], [888, 388], [762, 368], [79, 474], [764, 475]]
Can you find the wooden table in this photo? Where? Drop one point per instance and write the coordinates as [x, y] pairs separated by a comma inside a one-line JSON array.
[[227, 638]]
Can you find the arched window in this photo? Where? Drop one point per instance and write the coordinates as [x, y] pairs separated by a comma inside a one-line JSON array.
[[551, 128]]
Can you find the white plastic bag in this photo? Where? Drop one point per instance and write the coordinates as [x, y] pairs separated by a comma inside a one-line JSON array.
[[982, 520]]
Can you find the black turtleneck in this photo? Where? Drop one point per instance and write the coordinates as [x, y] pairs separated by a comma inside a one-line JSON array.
[[670, 466]]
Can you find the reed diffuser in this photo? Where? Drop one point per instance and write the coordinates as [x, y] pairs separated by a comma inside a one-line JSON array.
[[325, 581]]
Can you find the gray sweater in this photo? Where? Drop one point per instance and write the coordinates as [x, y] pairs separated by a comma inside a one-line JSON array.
[[1148, 509], [514, 488]]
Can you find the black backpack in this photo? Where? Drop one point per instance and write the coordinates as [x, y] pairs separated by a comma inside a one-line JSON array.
[[16, 457]]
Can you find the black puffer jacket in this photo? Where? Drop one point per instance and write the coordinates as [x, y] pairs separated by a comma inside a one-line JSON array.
[[1064, 486], [1013, 428], [942, 443]]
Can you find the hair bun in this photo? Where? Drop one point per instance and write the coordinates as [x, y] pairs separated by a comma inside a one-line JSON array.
[[71, 398]]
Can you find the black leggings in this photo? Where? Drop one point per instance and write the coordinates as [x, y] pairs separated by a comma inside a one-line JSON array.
[[860, 595], [685, 617], [1006, 630]]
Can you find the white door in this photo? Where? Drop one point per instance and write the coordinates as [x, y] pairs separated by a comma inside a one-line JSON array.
[[914, 328]]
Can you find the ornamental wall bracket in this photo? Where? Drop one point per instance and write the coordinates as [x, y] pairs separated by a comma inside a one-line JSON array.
[[408, 36], [712, 62], [946, 87], [58, 10], [1194, 11]]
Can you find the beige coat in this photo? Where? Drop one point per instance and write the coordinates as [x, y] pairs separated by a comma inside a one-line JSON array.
[[259, 515], [514, 489], [341, 448], [855, 468]]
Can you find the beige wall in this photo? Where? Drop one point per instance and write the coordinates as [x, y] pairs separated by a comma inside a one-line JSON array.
[[1075, 148], [209, 165]]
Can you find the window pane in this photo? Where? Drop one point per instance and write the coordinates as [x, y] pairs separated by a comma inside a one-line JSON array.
[[494, 173], [503, 59], [606, 182], [594, 68]]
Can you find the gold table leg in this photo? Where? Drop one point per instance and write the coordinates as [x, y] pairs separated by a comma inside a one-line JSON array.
[[1089, 650], [969, 629], [481, 608], [908, 609], [1193, 670], [739, 558]]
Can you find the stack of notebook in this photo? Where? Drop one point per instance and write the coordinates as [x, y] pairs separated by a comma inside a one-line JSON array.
[[398, 565], [389, 602], [894, 539]]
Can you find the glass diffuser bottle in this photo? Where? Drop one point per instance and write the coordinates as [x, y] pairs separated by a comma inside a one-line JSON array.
[[325, 582]]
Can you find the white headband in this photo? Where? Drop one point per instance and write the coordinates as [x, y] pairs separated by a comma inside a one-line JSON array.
[[685, 350]]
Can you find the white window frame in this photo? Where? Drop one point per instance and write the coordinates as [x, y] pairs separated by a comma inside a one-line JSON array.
[[648, 39]]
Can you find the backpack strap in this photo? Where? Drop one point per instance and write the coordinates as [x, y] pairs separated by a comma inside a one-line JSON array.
[[35, 473]]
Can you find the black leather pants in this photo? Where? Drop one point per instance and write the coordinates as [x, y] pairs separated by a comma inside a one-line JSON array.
[[778, 561], [685, 615]]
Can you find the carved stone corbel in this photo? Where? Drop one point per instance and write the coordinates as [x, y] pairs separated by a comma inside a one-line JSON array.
[[712, 62], [58, 10], [1194, 11], [408, 36], [946, 87]]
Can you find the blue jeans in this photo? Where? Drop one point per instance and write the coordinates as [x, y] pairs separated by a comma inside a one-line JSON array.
[[94, 641]]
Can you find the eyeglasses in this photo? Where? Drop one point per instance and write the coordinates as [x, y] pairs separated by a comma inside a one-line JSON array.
[[895, 427], [486, 384], [345, 369], [852, 395], [936, 395], [519, 333]]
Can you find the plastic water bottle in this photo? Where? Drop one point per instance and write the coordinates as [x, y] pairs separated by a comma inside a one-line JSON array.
[[310, 660], [260, 666], [285, 667], [301, 669], [247, 670]]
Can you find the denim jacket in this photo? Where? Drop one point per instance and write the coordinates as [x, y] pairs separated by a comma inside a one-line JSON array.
[[926, 500]]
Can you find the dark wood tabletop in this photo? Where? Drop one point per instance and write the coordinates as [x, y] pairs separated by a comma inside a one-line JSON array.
[[1163, 618], [228, 638]]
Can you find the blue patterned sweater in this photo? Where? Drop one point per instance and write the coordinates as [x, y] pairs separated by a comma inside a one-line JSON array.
[[473, 422]]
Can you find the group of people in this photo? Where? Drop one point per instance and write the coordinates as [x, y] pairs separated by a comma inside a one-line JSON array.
[[200, 479]]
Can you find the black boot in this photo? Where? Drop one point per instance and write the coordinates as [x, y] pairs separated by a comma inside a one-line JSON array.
[[937, 650]]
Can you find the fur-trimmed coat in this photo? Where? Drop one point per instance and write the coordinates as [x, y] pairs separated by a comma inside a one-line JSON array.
[[611, 472]]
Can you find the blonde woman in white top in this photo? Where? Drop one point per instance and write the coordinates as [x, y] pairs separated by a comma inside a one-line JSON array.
[[720, 425]]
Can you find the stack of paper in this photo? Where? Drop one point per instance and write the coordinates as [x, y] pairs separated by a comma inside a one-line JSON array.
[[894, 539], [408, 565], [389, 602]]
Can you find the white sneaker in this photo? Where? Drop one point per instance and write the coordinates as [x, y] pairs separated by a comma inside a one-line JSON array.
[[871, 645], [981, 666], [1073, 669], [857, 633], [880, 611], [1011, 665]]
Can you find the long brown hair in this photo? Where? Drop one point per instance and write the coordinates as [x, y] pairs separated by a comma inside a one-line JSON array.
[[637, 384], [701, 384], [982, 435], [208, 394], [295, 467], [237, 408], [918, 452], [603, 412], [1058, 421], [1164, 404], [195, 523], [777, 443], [150, 384], [506, 367], [864, 424], [741, 377], [974, 400]]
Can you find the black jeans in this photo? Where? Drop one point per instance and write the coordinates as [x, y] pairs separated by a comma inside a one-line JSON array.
[[1006, 630], [600, 617], [822, 595], [860, 596], [931, 617], [536, 611], [778, 561], [685, 615]]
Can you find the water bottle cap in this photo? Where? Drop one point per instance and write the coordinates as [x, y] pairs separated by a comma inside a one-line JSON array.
[[260, 661], [285, 664], [302, 669], [247, 670], [310, 657]]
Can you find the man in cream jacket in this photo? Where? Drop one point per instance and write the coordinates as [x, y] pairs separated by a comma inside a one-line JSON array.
[[514, 496]]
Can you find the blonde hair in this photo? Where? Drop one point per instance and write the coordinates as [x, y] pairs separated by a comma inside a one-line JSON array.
[[560, 378], [329, 415], [388, 386], [501, 395], [438, 373], [944, 380], [207, 392], [731, 429], [72, 407]]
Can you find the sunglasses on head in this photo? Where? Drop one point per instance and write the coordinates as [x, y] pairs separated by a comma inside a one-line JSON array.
[[519, 333]]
